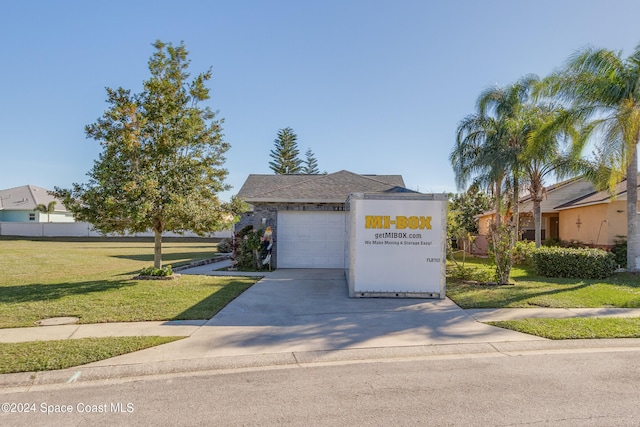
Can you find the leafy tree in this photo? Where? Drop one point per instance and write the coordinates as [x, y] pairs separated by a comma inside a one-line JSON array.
[[603, 88], [285, 154], [311, 164], [466, 206], [48, 209], [463, 207], [162, 153]]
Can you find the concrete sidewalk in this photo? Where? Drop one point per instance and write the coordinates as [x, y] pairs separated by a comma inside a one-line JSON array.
[[295, 315], [187, 328], [305, 309]]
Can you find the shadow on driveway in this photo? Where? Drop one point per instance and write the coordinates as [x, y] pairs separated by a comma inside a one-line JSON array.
[[305, 310]]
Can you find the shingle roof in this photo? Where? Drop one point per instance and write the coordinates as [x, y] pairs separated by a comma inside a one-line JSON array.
[[334, 187], [27, 198], [597, 197]]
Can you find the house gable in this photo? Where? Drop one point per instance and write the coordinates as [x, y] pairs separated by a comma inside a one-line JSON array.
[[597, 197], [19, 203], [557, 194]]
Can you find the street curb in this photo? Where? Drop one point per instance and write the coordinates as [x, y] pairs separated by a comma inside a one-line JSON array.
[[86, 374]]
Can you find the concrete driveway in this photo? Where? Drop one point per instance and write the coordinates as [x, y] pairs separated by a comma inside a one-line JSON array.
[[304, 310]]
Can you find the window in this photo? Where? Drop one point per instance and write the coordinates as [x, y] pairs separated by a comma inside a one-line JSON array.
[[32, 217]]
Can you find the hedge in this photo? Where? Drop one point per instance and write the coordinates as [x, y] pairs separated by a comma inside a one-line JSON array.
[[574, 263]]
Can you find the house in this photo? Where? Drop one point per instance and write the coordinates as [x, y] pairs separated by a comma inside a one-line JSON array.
[[19, 205], [572, 210], [307, 213]]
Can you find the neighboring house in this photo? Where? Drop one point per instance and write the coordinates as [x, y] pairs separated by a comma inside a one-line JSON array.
[[19, 205], [571, 211], [306, 213]]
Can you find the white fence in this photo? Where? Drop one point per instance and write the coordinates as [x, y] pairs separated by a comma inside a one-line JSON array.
[[75, 229]]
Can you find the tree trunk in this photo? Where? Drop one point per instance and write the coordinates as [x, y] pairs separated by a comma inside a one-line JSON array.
[[537, 221], [632, 209], [498, 203], [157, 249], [516, 215]]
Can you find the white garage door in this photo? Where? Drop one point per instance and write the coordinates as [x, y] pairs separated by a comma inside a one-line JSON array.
[[310, 239]]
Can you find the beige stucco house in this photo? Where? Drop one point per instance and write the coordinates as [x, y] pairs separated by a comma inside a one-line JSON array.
[[571, 211]]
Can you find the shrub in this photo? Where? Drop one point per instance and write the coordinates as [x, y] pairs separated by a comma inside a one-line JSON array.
[[152, 271], [574, 263], [552, 241], [469, 273], [523, 253], [619, 250], [501, 252], [249, 247], [225, 246]]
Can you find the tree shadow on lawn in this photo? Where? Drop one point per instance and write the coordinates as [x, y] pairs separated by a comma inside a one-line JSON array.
[[563, 285], [514, 295], [166, 258], [526, 295], [631, 280], [39, 292]]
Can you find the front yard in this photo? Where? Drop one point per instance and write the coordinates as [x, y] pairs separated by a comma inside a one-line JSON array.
[[529, 290], [91, 279]]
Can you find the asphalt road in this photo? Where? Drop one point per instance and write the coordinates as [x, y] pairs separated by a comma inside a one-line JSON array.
[[561, 388]]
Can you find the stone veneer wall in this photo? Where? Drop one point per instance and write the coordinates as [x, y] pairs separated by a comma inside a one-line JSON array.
[[269, 211]]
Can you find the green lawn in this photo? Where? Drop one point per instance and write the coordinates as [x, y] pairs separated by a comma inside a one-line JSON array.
[[91, 279], [575, 328], [48, 355], [528, 290]]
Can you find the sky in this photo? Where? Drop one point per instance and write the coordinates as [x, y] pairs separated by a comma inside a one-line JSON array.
[[370, 86]]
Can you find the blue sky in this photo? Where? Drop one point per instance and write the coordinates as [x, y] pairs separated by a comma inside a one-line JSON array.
[[370, 86]]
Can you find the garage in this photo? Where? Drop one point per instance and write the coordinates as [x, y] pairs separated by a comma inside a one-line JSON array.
[[311, 239], [307, 213]]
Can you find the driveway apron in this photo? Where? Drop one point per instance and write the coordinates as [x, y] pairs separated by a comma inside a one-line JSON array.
[[294, 310]]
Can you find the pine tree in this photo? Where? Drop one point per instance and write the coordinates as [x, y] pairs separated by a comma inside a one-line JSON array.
[[285, 154], [311, 164]]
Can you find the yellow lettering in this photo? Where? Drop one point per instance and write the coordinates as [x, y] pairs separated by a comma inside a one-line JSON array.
[[400, 222], [425, 222], [413, 222], [373, 221]]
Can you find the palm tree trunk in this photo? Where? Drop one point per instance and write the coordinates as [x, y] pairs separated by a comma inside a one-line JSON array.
[[516, 214], [537, 221], [498, 203], [632, 209]]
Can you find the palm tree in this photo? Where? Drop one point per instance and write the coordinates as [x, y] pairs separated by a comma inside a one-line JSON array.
[[510, 142], [485, 153], [549, 153], [603, 88], [49, 209], [473, 161], [507, 105]]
